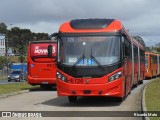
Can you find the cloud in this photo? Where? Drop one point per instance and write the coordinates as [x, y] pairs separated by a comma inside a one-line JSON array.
[[41, 27], [60, 10], [139, 16]]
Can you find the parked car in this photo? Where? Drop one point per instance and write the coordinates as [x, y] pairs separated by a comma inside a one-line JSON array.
[[16, 76]]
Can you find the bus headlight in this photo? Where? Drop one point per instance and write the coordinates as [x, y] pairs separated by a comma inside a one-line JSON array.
[[115, 76], [61, 77]]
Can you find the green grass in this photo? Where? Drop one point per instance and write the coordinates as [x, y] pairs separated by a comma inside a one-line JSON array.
[[152, 97], [3, 77], [15, 59], [8, 88]]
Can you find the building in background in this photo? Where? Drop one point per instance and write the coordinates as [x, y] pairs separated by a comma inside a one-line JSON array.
[[2, 45]]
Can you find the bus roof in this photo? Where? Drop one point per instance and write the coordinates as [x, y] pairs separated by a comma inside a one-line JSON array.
[[91, 26], [95, 26]]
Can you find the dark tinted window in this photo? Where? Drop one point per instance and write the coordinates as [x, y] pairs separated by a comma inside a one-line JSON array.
[[16, 72]]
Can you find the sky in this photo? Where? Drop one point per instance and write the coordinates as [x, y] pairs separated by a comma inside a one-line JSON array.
[[140, 17]]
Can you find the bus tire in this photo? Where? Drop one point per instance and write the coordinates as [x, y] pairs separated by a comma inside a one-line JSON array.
[[156, 73], [152, 75], [136, 85], [72, 98], [121, 99], [130, 89], [141, 82]]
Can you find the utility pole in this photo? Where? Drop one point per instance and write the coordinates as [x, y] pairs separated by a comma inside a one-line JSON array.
[[6, 43]]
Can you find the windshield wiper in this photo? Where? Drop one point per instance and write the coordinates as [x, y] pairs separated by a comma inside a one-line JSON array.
[[98, 63], [79, 60]]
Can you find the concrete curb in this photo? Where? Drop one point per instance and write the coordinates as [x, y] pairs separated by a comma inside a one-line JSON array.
[[143, 103], [13, 93]]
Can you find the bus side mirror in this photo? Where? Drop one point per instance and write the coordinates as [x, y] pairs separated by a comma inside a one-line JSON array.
[[50, 47], [53, 35]]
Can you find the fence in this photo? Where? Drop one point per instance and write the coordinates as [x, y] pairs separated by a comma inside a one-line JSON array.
[[15, 66], [4, 72]]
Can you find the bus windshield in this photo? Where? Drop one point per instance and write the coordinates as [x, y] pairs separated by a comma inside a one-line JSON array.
[[104, 49]]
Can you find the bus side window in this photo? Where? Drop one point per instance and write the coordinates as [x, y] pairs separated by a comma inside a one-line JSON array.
[[151, 62], [127, 46], [123, 47]]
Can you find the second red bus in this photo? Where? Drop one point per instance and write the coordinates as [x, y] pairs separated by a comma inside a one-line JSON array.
[[41, 68]]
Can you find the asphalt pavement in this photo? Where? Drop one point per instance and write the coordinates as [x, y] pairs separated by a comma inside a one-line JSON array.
[[39, 100]]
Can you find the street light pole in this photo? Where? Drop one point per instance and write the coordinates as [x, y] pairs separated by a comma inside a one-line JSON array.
[[6, 43]]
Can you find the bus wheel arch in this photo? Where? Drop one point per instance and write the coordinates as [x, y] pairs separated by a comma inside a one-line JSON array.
[[121, 99]]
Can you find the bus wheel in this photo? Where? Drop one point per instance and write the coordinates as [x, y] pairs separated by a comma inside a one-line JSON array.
[[141, 82], [156, 73], [121, 99], [152, 75], [136, 85], [130, 89], [72, 98]]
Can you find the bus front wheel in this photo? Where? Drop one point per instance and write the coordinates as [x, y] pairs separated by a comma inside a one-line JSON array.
[[72, 98]]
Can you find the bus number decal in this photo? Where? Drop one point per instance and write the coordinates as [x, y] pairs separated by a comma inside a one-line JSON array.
[[76, 81]]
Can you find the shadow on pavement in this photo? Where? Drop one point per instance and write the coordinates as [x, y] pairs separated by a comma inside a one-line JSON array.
[[83, 102], [40, 89]]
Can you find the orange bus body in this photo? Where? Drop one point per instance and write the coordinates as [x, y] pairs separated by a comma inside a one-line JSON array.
[[81, 76], [152, 63], [41, 68]]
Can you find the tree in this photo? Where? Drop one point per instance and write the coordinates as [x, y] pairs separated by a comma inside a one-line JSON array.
[[4, 61], [140, 40], [15, 30], [18, 37], [157, 49], [3, 28]]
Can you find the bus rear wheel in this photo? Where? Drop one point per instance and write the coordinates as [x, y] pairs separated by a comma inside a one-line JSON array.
[[141, 82], [72, 98]]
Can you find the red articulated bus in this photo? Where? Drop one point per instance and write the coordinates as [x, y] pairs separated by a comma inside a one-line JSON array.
[[97, 57], [41, 68], [152, 64]]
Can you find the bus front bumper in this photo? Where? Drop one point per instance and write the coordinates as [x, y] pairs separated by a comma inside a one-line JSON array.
[[148, 74], [39, 81], [113, 89]]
